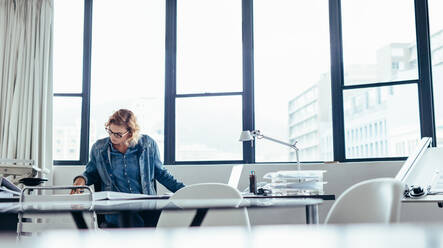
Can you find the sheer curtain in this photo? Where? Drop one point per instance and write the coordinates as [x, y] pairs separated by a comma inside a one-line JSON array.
[[26, 81]]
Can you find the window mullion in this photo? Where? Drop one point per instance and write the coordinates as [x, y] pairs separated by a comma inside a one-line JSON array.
[[170, 80], [425, 92], [248, 77], [86, 87], [337, 83]]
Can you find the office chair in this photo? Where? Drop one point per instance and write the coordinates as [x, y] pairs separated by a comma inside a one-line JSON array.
[[34, 224], [372, 201], [232, 217]]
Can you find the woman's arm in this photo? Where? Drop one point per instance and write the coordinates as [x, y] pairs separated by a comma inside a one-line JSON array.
[[90, 176], [162, 175]]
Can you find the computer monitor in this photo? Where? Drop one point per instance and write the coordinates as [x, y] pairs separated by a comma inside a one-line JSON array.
[[234, 179]]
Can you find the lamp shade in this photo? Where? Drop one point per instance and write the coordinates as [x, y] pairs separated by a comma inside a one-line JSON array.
[[245, 136]]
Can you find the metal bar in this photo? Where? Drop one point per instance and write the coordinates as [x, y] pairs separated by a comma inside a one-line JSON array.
[[379, 84], [312, 214], [375, 159], [212, 162], [425, 91], [248, 76], [68, 162], [79, 220], [30, 188], [68, 94], [199, 216], [16, 161], [209, 94], [86, 87], [337, 79], [126, 219], [278, 141], [170, 80], [76, 215]]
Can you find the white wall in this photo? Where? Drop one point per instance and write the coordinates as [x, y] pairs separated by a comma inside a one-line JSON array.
[[339, 177]]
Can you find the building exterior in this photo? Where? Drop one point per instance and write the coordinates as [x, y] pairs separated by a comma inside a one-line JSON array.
[[379, 122]]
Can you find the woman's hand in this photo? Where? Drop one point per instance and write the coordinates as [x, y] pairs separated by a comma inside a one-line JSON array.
[[79, 181]]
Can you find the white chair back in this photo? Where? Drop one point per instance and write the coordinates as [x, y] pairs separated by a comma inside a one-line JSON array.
[[372, 201], [34, 224], [230, 217]]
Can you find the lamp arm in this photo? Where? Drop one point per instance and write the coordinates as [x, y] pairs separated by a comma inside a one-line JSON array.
[[257, 133], [293, 146]]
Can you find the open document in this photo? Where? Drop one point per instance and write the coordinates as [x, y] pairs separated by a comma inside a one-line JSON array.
[[8, 189], [111, 195]]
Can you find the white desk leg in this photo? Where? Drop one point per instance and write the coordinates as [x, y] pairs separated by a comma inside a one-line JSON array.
[[312, 214]]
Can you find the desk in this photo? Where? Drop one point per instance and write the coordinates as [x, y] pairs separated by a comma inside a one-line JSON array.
[[323, 197], [126, 208], [10, 199], [326, 236]]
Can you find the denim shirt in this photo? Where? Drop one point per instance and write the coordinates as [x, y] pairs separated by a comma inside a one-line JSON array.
[[103, 167], [126, 170], [98, 169]]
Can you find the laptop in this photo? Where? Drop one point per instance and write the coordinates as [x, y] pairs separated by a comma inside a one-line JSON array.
[[234, 178]]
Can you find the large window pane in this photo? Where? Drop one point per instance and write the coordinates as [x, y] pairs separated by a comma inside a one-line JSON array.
[[209, 46], [379, 41], [381, 122], [292, 82], [208, 128], [128, 64], [68, 46], [436, 30], [67, 124]]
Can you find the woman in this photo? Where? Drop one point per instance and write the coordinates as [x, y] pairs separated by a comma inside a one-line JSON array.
[[126, 162]]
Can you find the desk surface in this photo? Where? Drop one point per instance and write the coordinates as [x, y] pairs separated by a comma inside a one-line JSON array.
[[329, 197], [428, 198], [323, 197], [154, 204], [326, 236]]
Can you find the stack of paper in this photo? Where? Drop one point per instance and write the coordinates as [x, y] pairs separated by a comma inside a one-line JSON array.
[[300, 182], [8, 189], [111, 195]]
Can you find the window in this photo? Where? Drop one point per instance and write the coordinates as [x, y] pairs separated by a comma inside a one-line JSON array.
[[344, 83], [292, 83], [209, 61], [401, 117], [373, 48], [67, 80], [436, 39], [205, 128], [128, 65], [209, 46], [68, 46], [372, 45]]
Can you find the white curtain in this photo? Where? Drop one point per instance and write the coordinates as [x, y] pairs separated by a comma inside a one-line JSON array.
[[26, 80]]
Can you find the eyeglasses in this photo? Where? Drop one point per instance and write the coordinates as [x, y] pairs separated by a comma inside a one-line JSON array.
[[117, 135]]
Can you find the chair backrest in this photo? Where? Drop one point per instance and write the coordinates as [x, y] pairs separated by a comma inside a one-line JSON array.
[[231, 217], [34, 224], [372, 201]]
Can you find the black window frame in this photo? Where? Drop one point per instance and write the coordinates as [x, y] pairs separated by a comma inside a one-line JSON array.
[[424, 84], [424, 81], [86, 89]]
